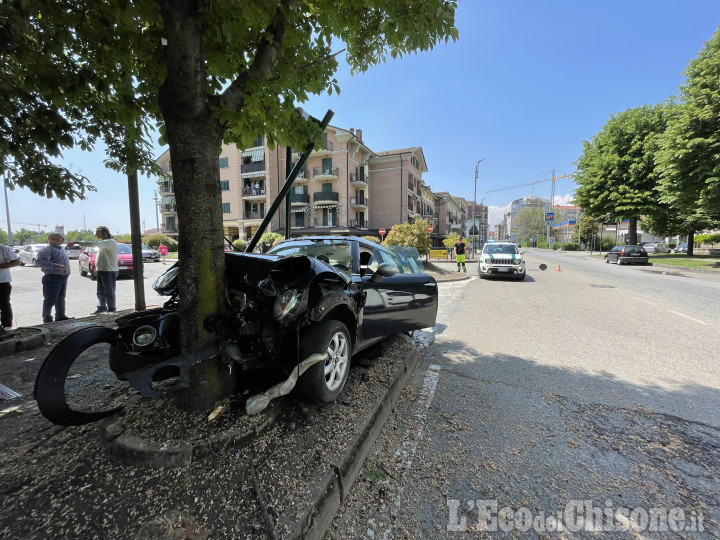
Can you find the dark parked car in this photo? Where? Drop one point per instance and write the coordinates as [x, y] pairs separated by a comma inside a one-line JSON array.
[[627, 255], [88, 266], [302, 309], [681, 248]]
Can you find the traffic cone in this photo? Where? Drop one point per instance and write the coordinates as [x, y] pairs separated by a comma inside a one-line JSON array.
[[559, 268]]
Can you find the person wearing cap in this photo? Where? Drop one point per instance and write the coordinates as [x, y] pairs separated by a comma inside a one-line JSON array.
[[54, 262], [107, 270], [8, 259]]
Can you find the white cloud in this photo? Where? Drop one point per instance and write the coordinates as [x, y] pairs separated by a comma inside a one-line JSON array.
[[496, 215], [564, 200]]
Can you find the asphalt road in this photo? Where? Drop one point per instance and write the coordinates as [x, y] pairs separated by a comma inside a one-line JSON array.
[[591, 391], [81, 298]]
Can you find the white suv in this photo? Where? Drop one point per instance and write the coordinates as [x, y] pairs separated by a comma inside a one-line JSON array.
[[501, 259]]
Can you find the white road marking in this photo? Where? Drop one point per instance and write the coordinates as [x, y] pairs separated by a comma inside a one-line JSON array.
[[646, 301], [409, 445], [691, 318]]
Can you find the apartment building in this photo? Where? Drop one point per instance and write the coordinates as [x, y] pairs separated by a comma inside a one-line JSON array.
[[331, 195]]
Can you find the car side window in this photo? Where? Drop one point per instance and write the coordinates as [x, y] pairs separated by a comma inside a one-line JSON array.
[[368, 261]]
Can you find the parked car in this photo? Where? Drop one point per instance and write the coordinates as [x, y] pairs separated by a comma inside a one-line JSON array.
[[88, 265], [656, 247], [73, 250], [28, 254], [681, 248], [301, 310], [150, 254], [501, 259], [627, 255]]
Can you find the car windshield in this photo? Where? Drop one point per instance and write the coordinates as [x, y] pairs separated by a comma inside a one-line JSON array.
[[334, 252], [123, 248], [493, 249]]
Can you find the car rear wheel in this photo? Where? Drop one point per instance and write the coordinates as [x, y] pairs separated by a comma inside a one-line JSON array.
[[607, 259], [93, 273], [82, 272], [324, 381]]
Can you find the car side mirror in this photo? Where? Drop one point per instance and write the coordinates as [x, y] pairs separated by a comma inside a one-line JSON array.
[[522, 252], [386, 269]]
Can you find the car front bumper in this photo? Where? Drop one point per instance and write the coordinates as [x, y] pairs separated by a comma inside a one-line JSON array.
[[501, 270]]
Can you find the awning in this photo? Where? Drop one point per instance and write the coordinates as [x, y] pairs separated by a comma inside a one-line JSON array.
[[257, 154], [168, 200], [301, 209], [256, 174], [319, 206]]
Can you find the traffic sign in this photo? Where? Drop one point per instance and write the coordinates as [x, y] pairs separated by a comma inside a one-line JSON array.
[[549, 216], [430, 228], [382, 232]]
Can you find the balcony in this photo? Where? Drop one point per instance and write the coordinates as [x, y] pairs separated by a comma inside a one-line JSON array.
[[328, 173], [326, 197], [358, 181], [249, 216], [359, 202], [358, 224], [301, 178], [298, 199], [255, 166], [168, 209], [252, 193]]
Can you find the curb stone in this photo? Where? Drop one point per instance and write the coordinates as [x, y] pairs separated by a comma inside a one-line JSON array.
[[134, 450], [332, 488], [35, 338]]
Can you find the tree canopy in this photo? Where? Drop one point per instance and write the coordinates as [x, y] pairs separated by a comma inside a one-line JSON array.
[[411, 234], [616, 172], [205, 73]]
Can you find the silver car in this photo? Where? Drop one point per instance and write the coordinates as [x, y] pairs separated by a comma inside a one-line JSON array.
[[28, 254], [657, 247]]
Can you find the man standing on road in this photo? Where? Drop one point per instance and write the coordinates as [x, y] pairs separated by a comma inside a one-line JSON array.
[[54, 262], [107, 270], [460, 254], [8, 259]]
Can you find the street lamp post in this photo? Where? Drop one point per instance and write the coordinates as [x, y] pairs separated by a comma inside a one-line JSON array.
[[477, 166]]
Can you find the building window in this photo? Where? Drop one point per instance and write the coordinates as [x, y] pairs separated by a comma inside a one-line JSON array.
[[327, 165], [299, 219], [225, 185], [415, 162], [226, 207], [224, 163]]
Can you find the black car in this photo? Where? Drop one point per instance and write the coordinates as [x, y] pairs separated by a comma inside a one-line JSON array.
[[304, 308], [627, 255]]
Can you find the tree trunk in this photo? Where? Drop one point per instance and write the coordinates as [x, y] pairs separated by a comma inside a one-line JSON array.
[[690, 243], [632, 233], [195, 139]]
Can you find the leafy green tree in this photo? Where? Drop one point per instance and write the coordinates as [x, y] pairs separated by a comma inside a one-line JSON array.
[[411, 234], [530, 222], [19, 237], [452, 239], [4, 238], [616, 172], [689, 160], [207, 73], [154, 240], [585, 228], [375, 239]]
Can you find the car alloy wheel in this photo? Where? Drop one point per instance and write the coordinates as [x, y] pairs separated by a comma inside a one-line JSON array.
[[324, 381]]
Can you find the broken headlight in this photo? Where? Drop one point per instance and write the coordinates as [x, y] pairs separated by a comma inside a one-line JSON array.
[[144, 336], [285, 303]]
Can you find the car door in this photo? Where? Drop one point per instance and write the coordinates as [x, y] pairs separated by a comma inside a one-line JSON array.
[[393, 304], [613, 254]]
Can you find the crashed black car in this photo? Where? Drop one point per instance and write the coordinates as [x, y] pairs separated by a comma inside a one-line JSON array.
[[294, 316]]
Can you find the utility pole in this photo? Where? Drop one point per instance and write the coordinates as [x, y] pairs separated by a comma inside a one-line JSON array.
[[7, 211], [477, 166]]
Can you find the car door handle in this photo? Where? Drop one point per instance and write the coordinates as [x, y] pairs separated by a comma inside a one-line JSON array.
[[431, 284]]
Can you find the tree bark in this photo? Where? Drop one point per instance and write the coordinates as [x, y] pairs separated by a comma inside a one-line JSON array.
[[632, 232], [195, 139]]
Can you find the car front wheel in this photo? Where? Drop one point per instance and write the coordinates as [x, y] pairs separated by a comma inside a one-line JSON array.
[[324, 381], [92, 272]]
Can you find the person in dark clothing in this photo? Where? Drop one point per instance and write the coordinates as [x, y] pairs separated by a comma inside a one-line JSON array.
[[53, 260], [460, 254]]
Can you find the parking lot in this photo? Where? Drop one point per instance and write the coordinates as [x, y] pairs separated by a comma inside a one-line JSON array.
[[81, 299]]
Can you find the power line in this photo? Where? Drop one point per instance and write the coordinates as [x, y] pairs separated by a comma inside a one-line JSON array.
[[553, 178]]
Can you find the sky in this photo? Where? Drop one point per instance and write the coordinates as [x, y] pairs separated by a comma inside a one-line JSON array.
[[525, 84]]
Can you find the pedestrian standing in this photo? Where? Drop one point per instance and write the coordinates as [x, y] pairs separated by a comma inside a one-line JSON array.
[[163, 251], [106, 263], [8, 259], [460, 254], [54, 262]]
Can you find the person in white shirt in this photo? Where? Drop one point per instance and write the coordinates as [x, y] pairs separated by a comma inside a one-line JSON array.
[[107, 270], [8, 259]]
